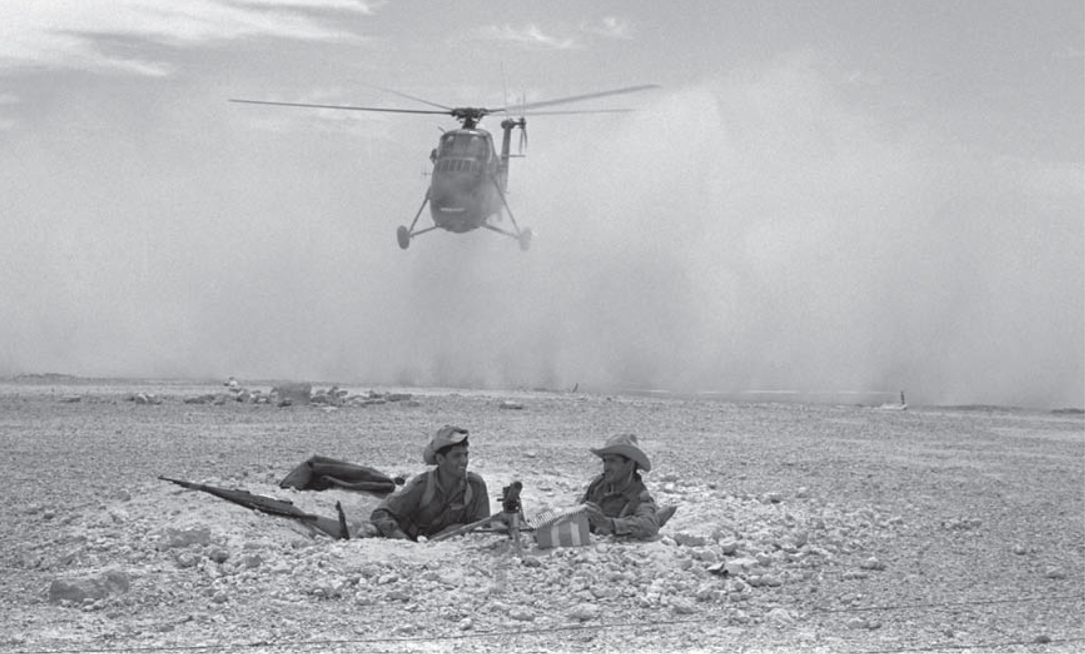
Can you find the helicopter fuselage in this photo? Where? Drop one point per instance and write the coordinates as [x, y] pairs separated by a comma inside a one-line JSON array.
[[468, 180]]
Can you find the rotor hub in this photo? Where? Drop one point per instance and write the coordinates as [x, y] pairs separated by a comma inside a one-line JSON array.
[[469, 116]]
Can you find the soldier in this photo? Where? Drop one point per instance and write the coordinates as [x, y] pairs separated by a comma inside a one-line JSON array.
[[442, 499], [617, 501]]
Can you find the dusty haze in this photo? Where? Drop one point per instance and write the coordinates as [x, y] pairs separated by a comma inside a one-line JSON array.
[[758, 231]]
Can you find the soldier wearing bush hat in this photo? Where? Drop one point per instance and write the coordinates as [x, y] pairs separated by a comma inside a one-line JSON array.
[[617, 501], [444, 498]]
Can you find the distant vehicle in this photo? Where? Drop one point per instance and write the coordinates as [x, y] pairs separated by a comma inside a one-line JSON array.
[[469, 181]]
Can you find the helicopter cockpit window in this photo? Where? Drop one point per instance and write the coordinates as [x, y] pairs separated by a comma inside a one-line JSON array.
[[475, 146]]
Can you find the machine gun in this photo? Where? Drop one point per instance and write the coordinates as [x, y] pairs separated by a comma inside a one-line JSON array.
[[511, 516]]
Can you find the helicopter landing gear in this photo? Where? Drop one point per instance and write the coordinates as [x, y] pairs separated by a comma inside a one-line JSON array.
[[524, 235], [404, 234]]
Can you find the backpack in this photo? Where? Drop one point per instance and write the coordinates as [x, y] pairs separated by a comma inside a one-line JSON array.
[[321, 473]]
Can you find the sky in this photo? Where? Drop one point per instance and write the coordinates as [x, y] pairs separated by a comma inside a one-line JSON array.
[[823, 196]]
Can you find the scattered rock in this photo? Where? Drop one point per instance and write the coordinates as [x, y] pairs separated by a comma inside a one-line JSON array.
[[687, 539], [780, 617], [584, 612], [742, 565], [293, 393], [728, 547], [962, 524], [178, 538], [1055, 572], [186, 559], [218, 554], [90, 587]]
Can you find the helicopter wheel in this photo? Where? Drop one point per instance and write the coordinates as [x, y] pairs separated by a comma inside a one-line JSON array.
[[403, 235], [525, 239]]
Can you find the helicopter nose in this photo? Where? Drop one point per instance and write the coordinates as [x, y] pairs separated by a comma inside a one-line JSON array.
[[448, 202], [453, 209], [451, 197]]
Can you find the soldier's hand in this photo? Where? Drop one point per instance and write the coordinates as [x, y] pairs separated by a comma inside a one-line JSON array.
[[597, 519]]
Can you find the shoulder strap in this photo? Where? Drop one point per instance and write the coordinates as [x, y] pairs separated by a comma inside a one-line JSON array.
[[634, 495], [431, 488]]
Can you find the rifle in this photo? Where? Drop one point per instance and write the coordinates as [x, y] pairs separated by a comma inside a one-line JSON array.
[[336, 528]]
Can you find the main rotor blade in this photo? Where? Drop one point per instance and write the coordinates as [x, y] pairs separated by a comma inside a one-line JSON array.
[[347, 107], [562, 112], [411, 97], [588, 96]]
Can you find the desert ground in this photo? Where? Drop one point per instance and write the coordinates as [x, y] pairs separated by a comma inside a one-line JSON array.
[[827, 527]]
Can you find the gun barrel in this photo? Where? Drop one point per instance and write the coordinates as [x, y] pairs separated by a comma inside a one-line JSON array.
[[466, 528], [186, 484]]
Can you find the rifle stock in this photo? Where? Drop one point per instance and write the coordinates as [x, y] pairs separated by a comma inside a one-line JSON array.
[[334, 527]]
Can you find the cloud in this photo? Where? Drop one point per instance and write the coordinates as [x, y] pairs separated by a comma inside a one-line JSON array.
[[610, 27], [368, 7], [534, 37], [77, 35], [531, 36]]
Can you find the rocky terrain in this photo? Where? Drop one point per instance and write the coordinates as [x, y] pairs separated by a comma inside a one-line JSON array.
[[825, 528]]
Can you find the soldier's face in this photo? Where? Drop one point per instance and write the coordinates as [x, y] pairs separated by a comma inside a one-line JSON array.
[[616, 467], [454, 463]]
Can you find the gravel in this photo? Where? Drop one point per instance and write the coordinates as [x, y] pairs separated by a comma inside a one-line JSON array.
[[820, 528]]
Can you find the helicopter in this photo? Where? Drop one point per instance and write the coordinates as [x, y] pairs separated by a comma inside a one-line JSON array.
[[469, 181]]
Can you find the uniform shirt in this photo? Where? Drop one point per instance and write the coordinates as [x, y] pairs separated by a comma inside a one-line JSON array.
[[422, 508], [631, 508]]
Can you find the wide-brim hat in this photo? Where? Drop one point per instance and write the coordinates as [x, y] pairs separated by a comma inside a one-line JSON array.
[[447, 435], [626, 445]]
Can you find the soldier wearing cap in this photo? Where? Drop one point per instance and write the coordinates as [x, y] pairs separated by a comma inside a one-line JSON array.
[[617, 501], [443, 498]]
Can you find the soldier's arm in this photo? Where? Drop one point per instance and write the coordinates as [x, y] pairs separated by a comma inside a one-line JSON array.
[[641, 523], [395, 510], [480, 503]]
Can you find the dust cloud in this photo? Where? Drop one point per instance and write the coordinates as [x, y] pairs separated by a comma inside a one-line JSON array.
[[762, 231]]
